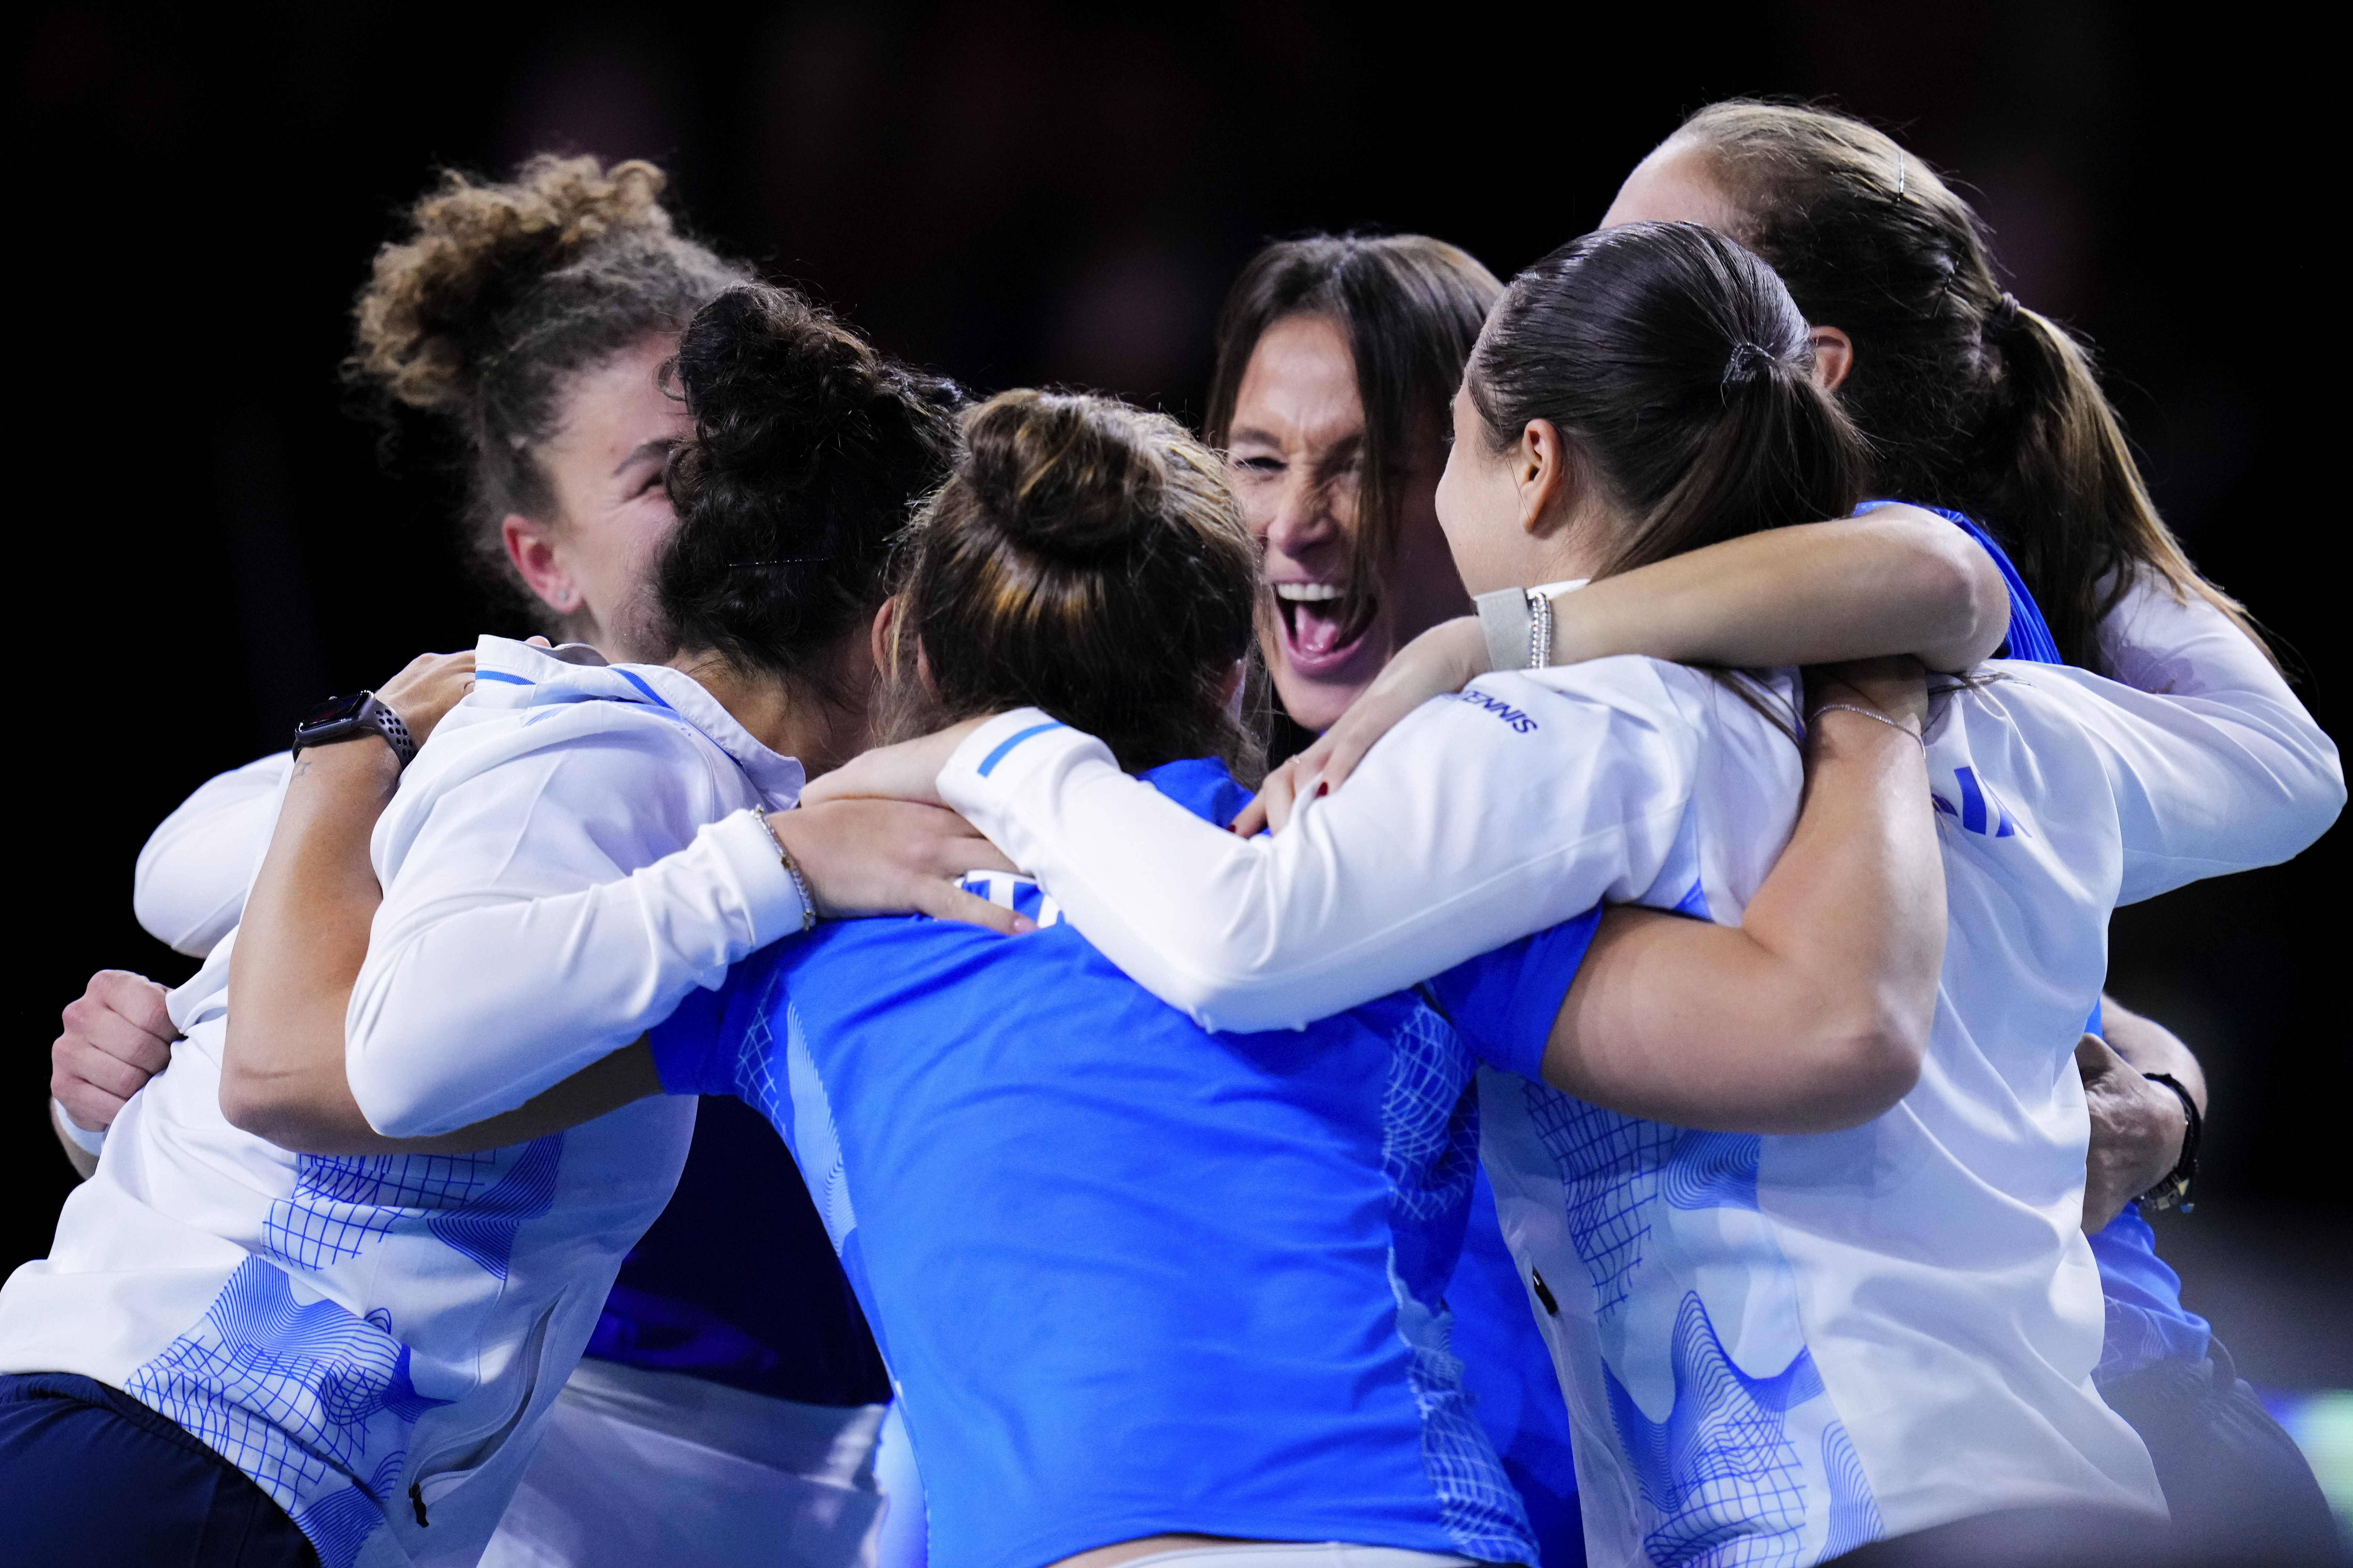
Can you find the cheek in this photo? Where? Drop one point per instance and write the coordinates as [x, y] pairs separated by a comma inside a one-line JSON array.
[[1259, 500]]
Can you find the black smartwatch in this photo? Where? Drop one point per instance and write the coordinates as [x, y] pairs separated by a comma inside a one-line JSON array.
[[2174, 1191], [353, 719]]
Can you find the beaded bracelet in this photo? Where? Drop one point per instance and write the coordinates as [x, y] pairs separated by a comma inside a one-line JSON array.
[[800, 883]]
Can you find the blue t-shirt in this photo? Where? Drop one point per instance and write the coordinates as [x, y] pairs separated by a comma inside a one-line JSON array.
[[1130, 1277], [2147, 1322]]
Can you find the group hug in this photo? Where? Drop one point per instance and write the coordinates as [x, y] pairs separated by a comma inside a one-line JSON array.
[[843, 1051]]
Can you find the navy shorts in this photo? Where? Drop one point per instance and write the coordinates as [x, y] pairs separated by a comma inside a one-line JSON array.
[[90, 1477]]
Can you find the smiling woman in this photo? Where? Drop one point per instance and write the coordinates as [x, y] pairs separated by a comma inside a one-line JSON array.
[[1336, 357]]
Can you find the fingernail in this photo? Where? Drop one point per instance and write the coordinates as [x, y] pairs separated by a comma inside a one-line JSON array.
[[1322, 788], [1023, 925]]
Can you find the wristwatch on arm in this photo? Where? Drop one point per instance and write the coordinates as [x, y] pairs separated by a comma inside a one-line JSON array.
[[353, 719], [2173, 1192]]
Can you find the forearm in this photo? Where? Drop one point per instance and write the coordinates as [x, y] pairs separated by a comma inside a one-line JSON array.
[[612, 1080], [1894, 581], [1382, 884], [299, 947], [464, 1014], [1813, 1012]]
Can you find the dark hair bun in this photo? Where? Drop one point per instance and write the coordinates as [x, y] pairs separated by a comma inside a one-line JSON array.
[[1063, 476], [810, 450]]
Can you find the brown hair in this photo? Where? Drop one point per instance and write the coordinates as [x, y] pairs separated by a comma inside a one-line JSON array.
[[499, 294], [1970, 401], [1086, 558], [1410, 307]]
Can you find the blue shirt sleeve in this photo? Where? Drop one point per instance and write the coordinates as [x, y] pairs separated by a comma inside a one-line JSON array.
[[697, 1048], [1503, 1003]]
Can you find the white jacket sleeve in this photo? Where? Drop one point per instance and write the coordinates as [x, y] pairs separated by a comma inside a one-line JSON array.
[[2229, 702], [188, 891], [1480, 819], [545, 914], [2193, 790]]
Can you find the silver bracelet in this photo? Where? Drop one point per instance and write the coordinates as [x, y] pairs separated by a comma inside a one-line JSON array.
[[800, 883], [1850, 708], [1539, 629], [1517, 625]]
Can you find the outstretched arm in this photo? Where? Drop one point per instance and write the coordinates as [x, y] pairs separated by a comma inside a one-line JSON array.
[[1895, 580], [288, 1066], [1812, 1014]]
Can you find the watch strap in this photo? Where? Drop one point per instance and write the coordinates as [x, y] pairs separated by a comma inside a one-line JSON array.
[[1508, 621], [2173, 1192], [371, 717]]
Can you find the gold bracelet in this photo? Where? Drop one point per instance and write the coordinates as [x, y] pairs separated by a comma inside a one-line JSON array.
[[800, 883]]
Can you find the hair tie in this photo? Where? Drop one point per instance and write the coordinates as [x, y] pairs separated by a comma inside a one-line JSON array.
[[2002, 322], [1748, 362]]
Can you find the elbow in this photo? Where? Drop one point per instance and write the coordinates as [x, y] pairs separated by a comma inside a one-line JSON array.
[[253, 1103], [1972, 602], [1951, 591], [1861, 1070]]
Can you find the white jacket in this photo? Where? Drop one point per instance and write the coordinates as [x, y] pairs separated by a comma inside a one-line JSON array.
[[375, 1341]]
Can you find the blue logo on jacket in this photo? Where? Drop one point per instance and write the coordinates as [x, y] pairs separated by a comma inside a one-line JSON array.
[[1519, 722], [1980, 810]]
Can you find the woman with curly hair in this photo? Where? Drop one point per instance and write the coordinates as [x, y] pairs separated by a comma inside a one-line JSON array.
[[527, 321]]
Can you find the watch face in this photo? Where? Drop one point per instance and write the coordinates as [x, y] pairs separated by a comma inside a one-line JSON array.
[[333, 710]]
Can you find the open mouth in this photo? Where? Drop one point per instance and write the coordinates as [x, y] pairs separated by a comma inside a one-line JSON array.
[[1320, 630]]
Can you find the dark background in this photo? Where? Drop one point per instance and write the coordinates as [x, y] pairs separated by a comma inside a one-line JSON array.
[[1016, 194]]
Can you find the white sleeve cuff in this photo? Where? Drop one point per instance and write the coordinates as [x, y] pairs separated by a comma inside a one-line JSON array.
[[83, 1138], [772, 899]]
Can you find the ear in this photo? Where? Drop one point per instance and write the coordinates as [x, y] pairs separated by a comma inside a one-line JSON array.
[[1833, 356], [1231, 688], [923, 671], [1545, 474], [532, 547], [884, 636]]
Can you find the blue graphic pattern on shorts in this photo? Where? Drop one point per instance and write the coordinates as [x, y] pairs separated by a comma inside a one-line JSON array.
[[298, 1397], [342, 1204], [1724, 1480]]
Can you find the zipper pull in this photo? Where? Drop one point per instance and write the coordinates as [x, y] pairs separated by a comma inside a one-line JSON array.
[[417, 1501]]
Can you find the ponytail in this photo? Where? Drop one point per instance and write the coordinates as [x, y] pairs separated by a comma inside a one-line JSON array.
[[2055, 453], [1967, 401], [1675, 365]]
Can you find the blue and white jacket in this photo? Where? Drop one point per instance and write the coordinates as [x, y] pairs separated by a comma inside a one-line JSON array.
[[374, 1340]]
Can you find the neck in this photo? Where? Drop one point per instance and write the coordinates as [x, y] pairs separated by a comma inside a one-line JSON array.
[[781, 715], [1579, 545]]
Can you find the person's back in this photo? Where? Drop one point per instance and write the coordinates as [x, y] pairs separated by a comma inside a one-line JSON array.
[[1795, 1335], [1131, 1277]]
